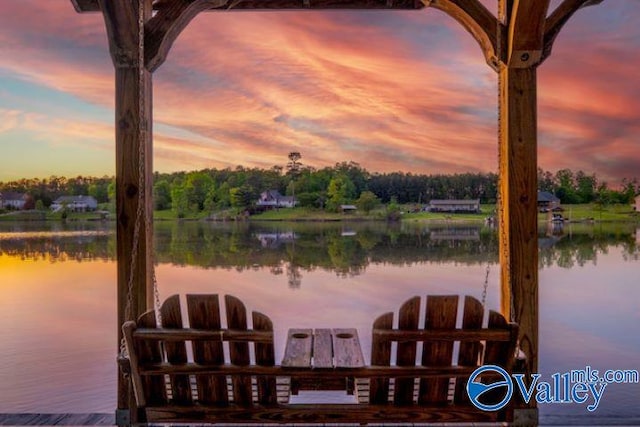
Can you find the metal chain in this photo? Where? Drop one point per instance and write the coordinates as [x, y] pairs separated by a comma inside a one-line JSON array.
[[140, 214], [486, 285]]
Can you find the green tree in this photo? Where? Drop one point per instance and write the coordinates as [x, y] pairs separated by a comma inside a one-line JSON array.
[[367, 201], [339, 191], [99, 190], [293, 166], [162, 195], [393, 211], [196, 186], [241, 197], [179, 200]]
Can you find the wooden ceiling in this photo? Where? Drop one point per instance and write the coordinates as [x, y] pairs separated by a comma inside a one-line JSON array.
[[94, 5]]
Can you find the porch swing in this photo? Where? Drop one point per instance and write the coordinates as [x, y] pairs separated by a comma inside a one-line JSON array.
[[524, 38], [183, 373]]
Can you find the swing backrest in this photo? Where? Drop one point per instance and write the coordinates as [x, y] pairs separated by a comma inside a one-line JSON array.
[[155, 351]]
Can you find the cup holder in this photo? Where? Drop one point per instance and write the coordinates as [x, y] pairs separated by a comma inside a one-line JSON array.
[[300, 335], [344, 335]]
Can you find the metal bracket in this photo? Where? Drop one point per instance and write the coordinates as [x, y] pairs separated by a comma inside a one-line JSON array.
[[123, 417]]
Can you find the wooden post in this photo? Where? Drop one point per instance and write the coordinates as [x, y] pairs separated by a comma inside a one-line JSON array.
[[520, 52], [133, 163], [518, 210]]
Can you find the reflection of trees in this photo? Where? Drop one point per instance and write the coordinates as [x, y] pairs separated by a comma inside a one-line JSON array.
[[582, 244], [307, 247]]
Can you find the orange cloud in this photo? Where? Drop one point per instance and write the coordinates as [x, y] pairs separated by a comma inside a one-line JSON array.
[[392, 91]]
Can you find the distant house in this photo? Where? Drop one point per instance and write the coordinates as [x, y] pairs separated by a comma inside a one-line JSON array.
[[454, 206], [12, 200], [273, 199], [636, 207], [347, 208], [274, 240], [547, 201], [75, 203]]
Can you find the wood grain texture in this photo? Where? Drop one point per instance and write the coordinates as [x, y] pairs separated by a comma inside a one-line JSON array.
[[526, 32], [83, 6], [265, 356], [149, 351], [380, 356], [346, 348], [204, 313], [469, 352], [478, 21], [322, 349], [133, 189], [557, 19], [176, 351], [408, 317], [441, 314], [299, 348], [239, 351], [320, 414], [518, 210]]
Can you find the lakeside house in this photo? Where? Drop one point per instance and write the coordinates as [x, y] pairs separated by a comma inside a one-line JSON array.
[[547, 201], [636, 207], [273, 199], [75, 203], [13, 200], [348, 208], [454, 206]]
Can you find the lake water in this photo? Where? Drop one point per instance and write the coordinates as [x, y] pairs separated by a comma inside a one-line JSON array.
[[58, 305]]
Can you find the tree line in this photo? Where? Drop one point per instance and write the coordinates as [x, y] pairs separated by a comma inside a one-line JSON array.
[[321, 246], [210, 190]]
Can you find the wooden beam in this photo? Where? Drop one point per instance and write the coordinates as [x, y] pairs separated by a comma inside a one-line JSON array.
[[518, 209], [86, 5], [93, 5], [478, 21], [560, 16], [167, 24], [526, 32], [133, 162]]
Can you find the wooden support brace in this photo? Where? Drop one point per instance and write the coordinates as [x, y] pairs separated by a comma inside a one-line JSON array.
[[133, 162]]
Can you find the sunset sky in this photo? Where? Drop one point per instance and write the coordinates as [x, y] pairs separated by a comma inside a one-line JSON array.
[[392, 91]]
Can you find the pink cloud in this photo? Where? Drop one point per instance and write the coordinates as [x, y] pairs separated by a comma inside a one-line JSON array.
[[409, 91]]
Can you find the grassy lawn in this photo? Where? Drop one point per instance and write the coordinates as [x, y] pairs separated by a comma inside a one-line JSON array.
[[308, 214], [575, 213], [597, 213]]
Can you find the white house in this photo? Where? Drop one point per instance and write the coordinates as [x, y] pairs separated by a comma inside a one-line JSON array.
[[75, 203], [273, 199], [12, 200], [454, 205], [636, 207]]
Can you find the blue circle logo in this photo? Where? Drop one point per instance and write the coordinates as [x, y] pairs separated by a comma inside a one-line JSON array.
[[475, 389]]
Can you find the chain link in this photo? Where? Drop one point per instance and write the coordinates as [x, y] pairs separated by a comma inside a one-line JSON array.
[[140, 212]]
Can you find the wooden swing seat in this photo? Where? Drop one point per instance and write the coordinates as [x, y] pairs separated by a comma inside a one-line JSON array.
[[186, 375]]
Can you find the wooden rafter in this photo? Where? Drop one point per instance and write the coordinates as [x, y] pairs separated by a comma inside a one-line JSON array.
[[93, 5], [167, 24], [477, 20], [526, 32], [555, 22]]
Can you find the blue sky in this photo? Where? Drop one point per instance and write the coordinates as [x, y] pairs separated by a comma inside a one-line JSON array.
[[393, 91]]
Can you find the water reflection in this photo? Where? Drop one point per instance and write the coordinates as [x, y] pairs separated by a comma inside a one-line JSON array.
[[296, 248], [59, 346]]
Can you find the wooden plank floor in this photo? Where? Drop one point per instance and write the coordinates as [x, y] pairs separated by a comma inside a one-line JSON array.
[[57, 419]]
